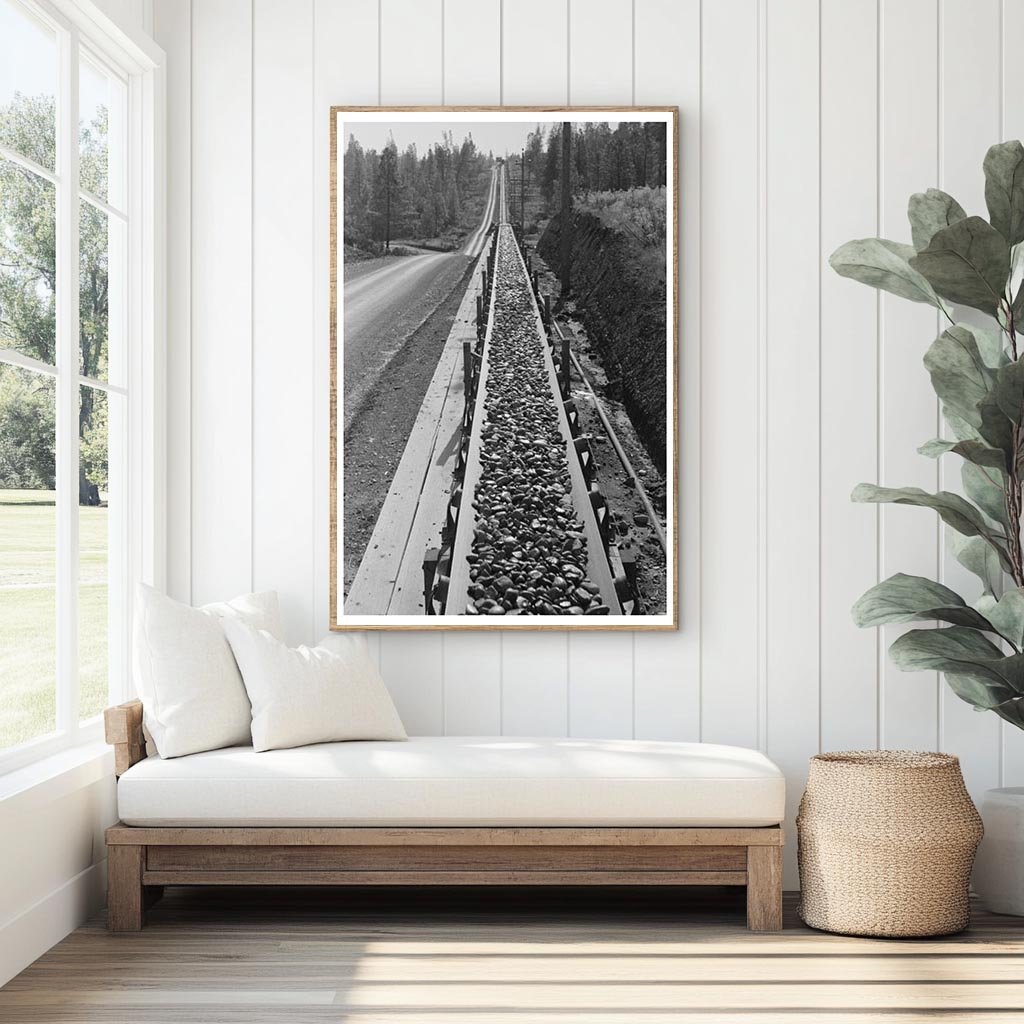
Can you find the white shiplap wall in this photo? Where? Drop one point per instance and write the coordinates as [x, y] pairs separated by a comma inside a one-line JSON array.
[[804, 123]]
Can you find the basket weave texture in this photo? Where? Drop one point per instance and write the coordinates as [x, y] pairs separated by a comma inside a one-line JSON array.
[[886, 841]]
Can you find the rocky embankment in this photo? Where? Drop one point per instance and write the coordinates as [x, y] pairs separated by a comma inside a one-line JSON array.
[[621, 302]]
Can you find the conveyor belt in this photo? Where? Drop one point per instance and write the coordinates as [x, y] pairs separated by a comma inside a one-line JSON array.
[[524, 534]]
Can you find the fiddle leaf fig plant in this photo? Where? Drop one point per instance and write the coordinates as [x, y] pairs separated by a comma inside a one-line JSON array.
[[977, 372]]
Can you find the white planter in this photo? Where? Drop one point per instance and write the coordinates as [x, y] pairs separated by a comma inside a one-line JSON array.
[[999, 867]]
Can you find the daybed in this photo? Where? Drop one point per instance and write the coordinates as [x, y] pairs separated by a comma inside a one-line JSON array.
[[444, 811]]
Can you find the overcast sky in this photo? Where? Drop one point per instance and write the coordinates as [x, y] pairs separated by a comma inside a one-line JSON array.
[[499, 137]]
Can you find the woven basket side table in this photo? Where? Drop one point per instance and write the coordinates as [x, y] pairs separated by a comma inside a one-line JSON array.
[[886, 841]]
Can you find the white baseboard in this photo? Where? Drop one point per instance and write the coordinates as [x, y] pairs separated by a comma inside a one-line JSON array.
[[26, 937]]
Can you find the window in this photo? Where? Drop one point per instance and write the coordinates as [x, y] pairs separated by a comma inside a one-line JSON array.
[[73, 240]]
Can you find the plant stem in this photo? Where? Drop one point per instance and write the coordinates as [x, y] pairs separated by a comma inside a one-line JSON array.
[[1012, 496], [1011, 330], [1013, 511]]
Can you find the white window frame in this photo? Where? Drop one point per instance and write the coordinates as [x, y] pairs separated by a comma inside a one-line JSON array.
[[140, 63]]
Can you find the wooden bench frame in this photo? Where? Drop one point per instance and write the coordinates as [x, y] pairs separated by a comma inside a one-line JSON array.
[[142, 860]]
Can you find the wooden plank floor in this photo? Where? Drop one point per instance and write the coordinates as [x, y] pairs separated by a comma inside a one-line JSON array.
[[220, 956]]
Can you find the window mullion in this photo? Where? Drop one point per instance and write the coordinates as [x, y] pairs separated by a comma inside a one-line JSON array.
[[67, 386]]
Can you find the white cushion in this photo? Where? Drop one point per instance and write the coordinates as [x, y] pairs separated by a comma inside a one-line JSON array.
[[191, 691], [457, 780], [309, 694]]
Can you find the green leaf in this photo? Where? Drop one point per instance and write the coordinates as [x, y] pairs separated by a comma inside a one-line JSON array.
[[952, 509], [977, 556], [1011, 711], [883, 264], [965, 653], [967, 263], [1015, 285], [996, 428], [1016, 308], [1004, 189], [973, 451], [943, 650], [1006, 614], [1009, 390], [990, 345], [903, 598], [962, 430], [985, 487], [980, 692], [932, 211], [958, 372]]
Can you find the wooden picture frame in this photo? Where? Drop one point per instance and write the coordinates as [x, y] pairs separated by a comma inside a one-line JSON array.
[[413, 574]]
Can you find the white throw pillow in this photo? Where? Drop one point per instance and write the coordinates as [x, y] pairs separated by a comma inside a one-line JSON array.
[[309, 694], [192, 693]]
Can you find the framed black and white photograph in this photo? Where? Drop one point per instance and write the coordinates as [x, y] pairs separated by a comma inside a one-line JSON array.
[[503, 368]]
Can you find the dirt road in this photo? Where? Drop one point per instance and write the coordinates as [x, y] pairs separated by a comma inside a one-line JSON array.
[[385, 300]]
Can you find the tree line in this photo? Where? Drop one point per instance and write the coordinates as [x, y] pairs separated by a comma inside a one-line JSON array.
[[28, 287], [602, 158], [392, 194]]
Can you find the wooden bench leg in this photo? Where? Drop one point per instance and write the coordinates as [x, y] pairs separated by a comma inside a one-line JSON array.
[[764, 888], [125, 896]]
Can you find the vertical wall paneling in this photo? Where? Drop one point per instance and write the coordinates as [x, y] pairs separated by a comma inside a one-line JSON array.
[[373, 646], [600, 685], [173, 28], [968, 125], [283, 339], [1011, 112], [534, 62], [600, 52], [667, 665], [601, 72], [413, 666], [472, 74], [535, 68], [849, 368], [729, 283], [792, 416], [472, 52], [221, 370], [472, 684], [535, 694], [908, 102], [803, 125], [344, 51], [411, 72], [411, 69]]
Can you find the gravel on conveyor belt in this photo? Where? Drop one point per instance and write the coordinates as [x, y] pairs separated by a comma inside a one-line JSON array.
[[529, 550]]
